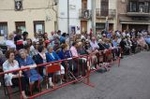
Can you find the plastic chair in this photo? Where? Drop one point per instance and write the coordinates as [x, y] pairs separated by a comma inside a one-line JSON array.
[[52, 68]]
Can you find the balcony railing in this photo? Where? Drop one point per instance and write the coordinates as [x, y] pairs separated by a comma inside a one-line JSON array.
[[85, 14], [142, 11], [110, 13]]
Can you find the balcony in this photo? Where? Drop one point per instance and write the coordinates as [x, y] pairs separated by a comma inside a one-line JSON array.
[[110, 13], [85, 14], [138, 11]]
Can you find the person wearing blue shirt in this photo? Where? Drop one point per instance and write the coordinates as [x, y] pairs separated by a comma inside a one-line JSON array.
[[63, 38], [65, 53], [51, 56], [147, 40], [26, 61]]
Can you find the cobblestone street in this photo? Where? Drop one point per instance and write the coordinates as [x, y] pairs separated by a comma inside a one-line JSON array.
[[129, 81]]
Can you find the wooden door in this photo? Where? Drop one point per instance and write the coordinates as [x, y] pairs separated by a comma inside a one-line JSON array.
[[83, 26]]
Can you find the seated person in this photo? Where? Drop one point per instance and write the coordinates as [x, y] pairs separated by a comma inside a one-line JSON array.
[[52, 56], [124, 46], [26, 61], [134, 45], [116, 49], [65, 53], [40, 58], [142, 43], [75, 53], [13, 78], [147, 40], [94, 59]]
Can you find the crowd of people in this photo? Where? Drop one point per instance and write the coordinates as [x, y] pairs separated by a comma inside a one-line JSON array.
[[102, 48]]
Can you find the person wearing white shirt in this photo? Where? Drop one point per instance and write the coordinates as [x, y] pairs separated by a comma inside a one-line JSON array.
[[13, 77], [94, 44], [10, 42]]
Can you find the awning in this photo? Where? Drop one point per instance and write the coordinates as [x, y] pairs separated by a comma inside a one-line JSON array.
[[142, 23]]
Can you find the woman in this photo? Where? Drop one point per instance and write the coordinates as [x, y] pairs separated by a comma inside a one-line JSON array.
[[32, 51], [52, 56], [26, 61], [40, 58], [13, 78], [65, 53]]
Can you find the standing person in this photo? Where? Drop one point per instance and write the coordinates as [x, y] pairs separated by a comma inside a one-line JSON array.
[[25, 35], [18, 41], [59, 33], [63, 38], [10, 42], [45, 36], [13, 78]]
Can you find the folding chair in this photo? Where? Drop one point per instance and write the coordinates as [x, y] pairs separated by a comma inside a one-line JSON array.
[[52, 68]]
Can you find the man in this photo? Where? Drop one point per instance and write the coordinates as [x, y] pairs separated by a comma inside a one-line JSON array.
[[94, 44]]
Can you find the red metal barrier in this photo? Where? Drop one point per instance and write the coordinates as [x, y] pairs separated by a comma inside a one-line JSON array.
[[80, 77]]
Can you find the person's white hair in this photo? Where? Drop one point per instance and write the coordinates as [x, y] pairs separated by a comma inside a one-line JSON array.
[[22, 50], [49, 46]]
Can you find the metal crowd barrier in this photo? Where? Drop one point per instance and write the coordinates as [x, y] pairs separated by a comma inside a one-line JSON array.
[[81, 74]]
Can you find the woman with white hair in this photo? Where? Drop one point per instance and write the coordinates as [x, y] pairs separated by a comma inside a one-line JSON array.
[[52, 56], [26, 61]]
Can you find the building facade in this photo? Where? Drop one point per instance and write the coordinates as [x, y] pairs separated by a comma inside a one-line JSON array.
[[33, 16], [74, 16], [133, 14], [106, 15]]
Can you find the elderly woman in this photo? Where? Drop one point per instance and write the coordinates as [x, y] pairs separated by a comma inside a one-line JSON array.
[[26, 61], [13, 78], [70, 65], [52, 56]]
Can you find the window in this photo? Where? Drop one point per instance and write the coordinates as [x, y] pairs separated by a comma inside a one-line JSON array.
[[39, 27], [133, 6], [104, 7], [139, 6], [147, 7], [3, 28], [20, 26]]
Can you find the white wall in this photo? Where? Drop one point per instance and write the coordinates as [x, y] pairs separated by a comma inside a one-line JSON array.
[[89, 23], [29, 14], [74, 7]]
